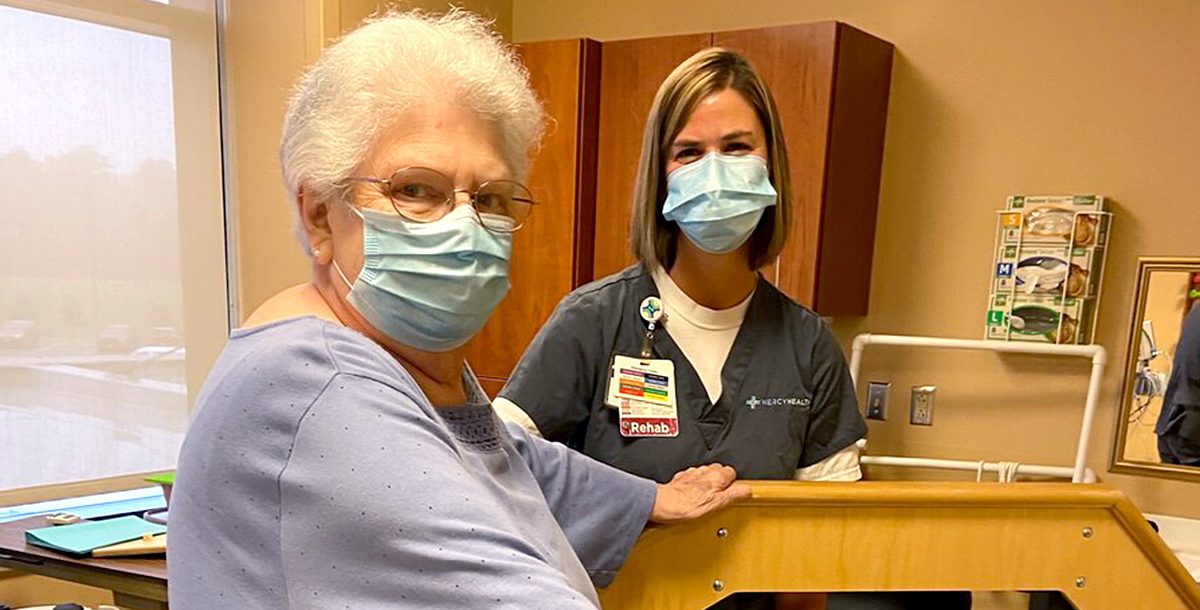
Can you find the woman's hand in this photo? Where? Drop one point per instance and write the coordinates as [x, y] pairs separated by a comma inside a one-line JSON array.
[[695, 492]]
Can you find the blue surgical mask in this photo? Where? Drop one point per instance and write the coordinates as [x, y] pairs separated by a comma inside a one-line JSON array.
[[717, 200], [430, 285]]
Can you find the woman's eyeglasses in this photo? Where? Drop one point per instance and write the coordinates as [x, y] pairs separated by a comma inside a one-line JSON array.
[[421, 194]]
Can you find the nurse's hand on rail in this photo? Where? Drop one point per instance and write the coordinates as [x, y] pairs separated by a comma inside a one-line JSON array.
[[695, 492]]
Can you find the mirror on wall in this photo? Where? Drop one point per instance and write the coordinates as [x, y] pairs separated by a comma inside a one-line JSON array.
[[1168, 290]]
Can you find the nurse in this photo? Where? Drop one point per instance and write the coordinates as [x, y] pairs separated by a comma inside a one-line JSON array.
[[690, 356], [753, 379]]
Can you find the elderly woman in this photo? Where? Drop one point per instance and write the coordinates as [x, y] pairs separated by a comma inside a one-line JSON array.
[[342, 455]]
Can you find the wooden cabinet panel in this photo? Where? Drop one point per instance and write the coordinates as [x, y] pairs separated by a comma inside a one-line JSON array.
[[830, 82], [552, 253], [854, 166], [630, 73]]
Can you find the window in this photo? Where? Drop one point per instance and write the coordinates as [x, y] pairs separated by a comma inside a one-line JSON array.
[[114, 298]]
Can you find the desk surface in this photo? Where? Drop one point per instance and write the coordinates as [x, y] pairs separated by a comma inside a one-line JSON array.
[[140, 577]]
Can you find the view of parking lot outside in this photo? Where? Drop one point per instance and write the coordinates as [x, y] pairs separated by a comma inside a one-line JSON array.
[[91, 351]]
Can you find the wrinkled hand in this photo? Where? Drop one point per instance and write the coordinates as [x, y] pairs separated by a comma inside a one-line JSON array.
[[695, 492]]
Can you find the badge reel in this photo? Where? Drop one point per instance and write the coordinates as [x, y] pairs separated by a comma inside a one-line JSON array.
[[642, 388]]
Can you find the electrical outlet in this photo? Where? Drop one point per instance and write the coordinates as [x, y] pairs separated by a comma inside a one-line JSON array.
[[921, 411], [877, 399]]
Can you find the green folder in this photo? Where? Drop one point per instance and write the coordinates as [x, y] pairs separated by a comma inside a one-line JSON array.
[[166, 478], [81, 538]]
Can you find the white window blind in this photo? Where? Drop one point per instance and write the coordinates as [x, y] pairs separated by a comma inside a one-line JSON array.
[[113, 283]]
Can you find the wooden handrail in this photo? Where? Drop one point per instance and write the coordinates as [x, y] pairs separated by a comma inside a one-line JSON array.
[[1087, 541]]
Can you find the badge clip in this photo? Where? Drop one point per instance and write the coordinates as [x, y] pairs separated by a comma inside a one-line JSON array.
[[651, 311]]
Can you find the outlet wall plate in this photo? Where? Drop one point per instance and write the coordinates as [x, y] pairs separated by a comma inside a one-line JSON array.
[[877, 399], [921, 409]]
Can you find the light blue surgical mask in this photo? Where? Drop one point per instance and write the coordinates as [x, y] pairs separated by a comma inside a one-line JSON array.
[[429, 285], [717, 200]]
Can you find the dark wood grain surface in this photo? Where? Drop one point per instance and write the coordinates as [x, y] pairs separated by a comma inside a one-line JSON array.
[[853, 171], [137, 582]]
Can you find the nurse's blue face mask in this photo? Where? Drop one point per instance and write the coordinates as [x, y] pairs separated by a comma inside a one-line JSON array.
[[718, 199], [430, 285]]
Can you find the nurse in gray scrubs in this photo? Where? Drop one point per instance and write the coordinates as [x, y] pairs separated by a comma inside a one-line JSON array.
[[342, 455], [691, 356], [754, 379], [759, 381]]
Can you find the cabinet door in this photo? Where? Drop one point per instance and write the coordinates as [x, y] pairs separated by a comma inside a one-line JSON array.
[[630, 74], [552, 253], [853, 169]]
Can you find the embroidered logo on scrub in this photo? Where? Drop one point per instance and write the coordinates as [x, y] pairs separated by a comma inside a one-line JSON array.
[[755, 402]]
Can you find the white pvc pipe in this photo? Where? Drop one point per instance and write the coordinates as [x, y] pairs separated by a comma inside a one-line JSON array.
[[1097, 354], [1061, 472], [1089, 414]]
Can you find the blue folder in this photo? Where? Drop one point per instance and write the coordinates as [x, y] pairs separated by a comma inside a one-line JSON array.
[[84, 537]]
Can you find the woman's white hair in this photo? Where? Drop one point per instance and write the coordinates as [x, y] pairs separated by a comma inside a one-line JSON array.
[[383, 71]]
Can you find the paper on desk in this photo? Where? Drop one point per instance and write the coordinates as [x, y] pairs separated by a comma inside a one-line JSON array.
[[81, 538]]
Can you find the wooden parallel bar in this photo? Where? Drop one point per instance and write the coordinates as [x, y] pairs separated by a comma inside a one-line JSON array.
[[1087, 541]]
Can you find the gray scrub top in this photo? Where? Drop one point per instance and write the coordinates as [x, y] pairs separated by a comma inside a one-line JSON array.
[[787, 401], [316, 474]]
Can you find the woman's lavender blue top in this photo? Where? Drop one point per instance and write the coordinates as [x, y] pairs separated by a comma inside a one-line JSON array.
[[316, 474]]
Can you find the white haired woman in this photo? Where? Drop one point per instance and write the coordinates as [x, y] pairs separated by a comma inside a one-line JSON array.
[[342, 454]]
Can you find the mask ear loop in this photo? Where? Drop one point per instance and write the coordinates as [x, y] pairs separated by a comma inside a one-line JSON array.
[[336, 267], [979, 472], [349, 284]]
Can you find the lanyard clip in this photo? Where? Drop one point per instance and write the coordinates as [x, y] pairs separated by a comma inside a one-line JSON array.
[[651, 311], [648, 342]]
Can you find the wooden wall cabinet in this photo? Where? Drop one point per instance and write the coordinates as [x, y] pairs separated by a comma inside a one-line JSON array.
[[830, 83]]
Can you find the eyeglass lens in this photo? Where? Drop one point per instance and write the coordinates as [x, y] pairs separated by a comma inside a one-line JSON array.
[[424, 195]]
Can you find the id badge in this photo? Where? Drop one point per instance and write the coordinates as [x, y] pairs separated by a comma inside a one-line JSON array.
[[643, 392]]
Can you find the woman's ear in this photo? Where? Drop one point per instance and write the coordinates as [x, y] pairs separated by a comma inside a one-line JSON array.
[[314, 217]]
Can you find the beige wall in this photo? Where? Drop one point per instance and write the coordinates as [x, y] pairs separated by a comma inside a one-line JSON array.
[[265, 49], [353, 11], [990, 99], [268, 43]]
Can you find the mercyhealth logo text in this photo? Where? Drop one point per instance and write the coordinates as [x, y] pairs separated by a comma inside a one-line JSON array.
[[755, 402]]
